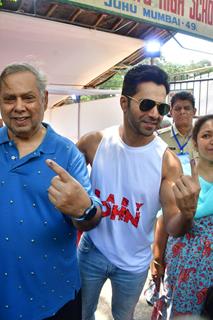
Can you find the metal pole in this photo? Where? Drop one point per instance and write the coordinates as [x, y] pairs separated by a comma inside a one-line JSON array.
[[78, 99]]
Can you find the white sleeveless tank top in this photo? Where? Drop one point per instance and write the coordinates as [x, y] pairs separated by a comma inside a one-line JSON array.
[[127, 180]]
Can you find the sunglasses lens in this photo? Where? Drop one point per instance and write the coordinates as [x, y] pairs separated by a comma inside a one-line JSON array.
[[163, 109], [147, 105]]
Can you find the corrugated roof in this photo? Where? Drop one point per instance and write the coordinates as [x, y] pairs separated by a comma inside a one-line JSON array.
[[112, 23]]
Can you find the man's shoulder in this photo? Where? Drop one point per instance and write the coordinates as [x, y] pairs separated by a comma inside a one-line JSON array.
[[93, 137], [89, 143], [55, 140], [60, 138]]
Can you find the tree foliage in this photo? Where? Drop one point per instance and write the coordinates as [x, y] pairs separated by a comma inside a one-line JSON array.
[[173, 69]]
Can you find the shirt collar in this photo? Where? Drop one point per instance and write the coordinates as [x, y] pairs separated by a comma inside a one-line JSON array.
[[176, 132], [48, 144], [3, 135]]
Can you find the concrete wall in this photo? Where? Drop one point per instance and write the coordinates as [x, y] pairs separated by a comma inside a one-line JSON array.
[[94, 115]]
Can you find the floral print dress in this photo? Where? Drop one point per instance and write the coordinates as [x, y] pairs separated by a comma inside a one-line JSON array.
[[189, 271]]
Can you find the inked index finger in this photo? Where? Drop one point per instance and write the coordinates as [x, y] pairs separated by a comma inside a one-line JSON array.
[[61, 172], [194, 172]]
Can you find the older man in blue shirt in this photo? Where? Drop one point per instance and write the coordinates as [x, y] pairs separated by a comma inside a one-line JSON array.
[[45, 194]]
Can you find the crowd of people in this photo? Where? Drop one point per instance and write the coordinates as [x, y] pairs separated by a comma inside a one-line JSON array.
[[136, 170]]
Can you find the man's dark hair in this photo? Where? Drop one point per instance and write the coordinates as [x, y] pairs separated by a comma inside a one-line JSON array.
[[199, 123], [183, 95], [143, 73]]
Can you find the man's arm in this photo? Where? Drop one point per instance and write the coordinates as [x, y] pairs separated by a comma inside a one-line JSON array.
[[160, 241], [178, 194], [88, 145], [159, 247]]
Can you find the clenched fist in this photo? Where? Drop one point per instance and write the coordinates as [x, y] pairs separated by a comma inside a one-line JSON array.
[[186, 191], [66, 193]]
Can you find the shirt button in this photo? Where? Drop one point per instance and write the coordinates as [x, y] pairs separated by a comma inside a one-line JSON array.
[[13, 157]]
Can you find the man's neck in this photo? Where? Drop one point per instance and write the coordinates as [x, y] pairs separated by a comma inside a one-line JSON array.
[[134, 140], [184, 130], [27, 145]]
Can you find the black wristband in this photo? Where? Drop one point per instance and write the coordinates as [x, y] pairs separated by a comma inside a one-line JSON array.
[[88, 214]]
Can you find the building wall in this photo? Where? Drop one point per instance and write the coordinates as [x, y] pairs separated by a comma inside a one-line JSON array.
[[94, 115]]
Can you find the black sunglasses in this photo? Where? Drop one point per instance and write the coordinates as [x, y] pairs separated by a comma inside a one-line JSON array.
[[148, 104]]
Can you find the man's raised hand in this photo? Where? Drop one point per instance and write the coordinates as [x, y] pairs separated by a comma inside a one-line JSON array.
[[66, 193], [186, 191]]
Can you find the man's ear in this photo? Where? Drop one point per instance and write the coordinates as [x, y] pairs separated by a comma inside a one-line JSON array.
[[195, 110], [124, 103], [45, 100]]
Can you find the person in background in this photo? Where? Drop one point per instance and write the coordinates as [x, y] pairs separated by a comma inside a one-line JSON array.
[[41, 204], [189, 259], [133, 171], [178, 135]]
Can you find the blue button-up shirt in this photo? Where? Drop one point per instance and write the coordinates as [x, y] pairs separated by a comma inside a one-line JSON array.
[[38, 264]]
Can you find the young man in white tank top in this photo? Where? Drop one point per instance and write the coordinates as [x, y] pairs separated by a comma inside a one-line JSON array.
[[133, 174]]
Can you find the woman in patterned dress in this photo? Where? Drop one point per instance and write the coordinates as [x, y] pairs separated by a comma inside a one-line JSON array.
[[189, 259]]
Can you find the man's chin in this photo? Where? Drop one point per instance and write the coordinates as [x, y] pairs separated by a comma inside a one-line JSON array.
[[21, 133], [147, 133], [148, 130]]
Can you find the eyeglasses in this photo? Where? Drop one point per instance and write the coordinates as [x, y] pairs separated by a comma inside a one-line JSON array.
[[148, 104]]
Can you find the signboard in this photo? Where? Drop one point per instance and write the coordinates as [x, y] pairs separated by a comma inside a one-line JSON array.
[[194, 17]]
